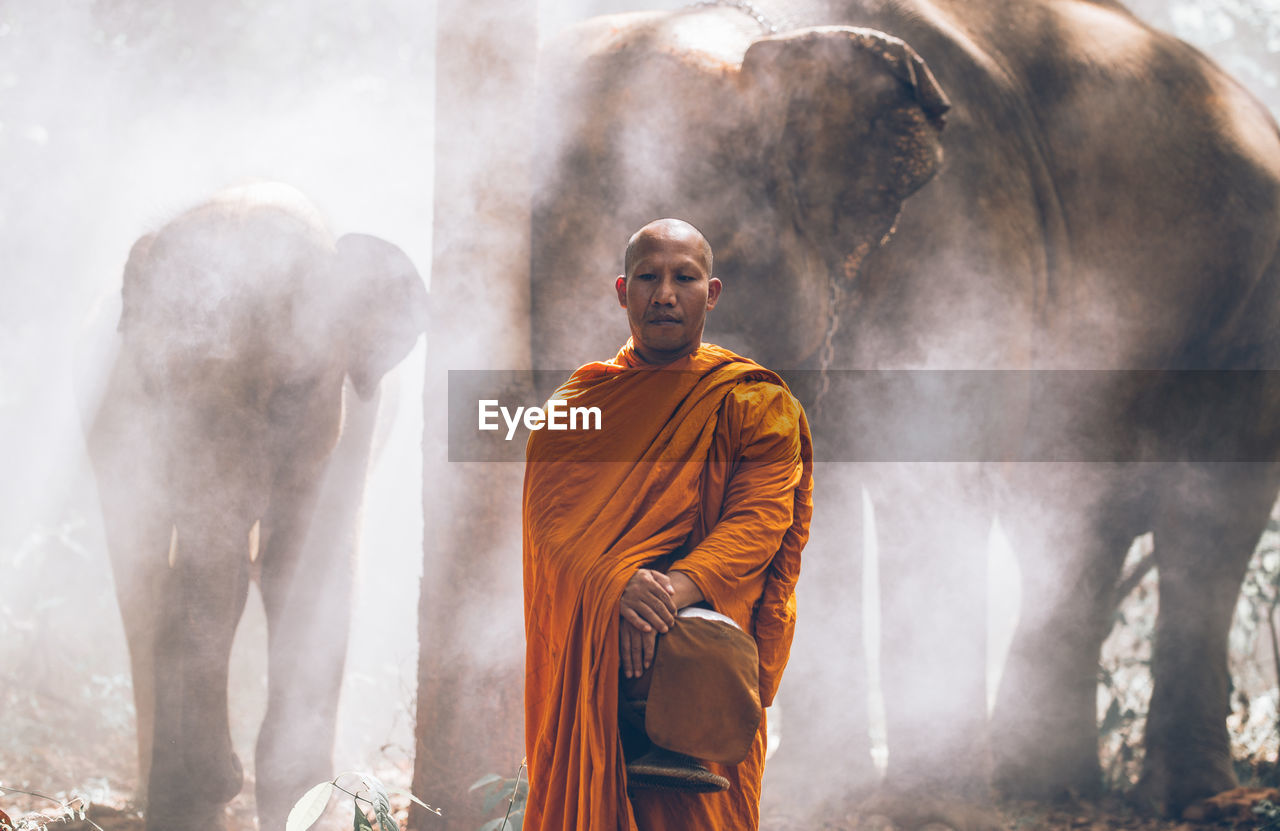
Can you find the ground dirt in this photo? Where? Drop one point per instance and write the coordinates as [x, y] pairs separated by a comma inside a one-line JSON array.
[[1233, 810], [1109, 815]]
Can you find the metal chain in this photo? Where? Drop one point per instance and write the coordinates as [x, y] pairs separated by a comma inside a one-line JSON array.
[[828, 353], [836, 290]]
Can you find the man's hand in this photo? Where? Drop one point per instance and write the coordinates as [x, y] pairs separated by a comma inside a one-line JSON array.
[[647, 601], [647, 607], [636, 649], [650, 602]]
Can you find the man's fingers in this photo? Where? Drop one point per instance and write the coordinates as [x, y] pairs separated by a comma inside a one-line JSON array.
[[666, 613], [647, 601], [662, 590], [637, 653], [659, 600], [645, 616], [636, 650], [659, 603], [632, 650], [624, 650], [653, 586], [663, 581], [660, 618], [634, 618]]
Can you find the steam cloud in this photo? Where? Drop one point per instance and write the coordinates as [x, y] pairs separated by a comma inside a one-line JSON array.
[[116, 115]]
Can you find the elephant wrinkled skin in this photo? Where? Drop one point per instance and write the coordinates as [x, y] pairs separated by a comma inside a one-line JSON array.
[[229, 446], [961, 185]]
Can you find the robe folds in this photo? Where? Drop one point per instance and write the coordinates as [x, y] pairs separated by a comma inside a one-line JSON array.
[[704, 466]]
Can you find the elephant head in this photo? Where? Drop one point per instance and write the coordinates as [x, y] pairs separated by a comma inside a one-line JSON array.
[[793, 153], [232, 281]]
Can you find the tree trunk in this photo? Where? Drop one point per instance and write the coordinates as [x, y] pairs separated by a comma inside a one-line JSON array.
[[470, 672]]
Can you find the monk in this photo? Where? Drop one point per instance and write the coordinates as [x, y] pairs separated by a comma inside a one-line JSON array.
[[696, 490]]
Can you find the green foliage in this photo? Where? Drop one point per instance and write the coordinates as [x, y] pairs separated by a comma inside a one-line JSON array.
[[370, 795], [72, 810], [514, 792], [1268, 814]]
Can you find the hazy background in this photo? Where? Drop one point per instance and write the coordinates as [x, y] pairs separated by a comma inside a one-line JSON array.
[[114, 116]]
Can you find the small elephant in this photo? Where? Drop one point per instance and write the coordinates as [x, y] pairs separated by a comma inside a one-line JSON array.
[[953, 185], [231, 444]]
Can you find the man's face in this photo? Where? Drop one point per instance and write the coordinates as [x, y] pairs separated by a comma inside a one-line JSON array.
[[667, 293]]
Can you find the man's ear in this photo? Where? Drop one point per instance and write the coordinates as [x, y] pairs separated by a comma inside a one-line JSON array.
[[713, 292], [621, 286]]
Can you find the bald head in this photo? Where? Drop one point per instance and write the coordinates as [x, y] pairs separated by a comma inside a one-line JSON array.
[[675, 230], [667, 289]]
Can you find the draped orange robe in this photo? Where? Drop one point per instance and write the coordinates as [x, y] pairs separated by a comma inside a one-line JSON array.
[[710, 455]]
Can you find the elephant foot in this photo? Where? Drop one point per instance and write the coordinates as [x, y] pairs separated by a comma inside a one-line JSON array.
[[193, 802], [205, 776], [1050, 779], [880, 822], [191, 816], [1167, 786], [922, 812], [1049, 757]]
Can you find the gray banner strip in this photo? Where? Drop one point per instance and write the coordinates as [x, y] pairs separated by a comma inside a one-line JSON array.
[[942, 415]]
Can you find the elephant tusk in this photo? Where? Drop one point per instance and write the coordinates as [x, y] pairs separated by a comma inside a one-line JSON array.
[[173, 546], [254, 534]]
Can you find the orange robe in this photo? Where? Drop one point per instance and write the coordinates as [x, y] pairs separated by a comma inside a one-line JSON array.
[[709, 454]]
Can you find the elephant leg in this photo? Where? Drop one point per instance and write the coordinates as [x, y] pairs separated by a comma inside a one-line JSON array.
[[137, 526], [138, 612], [307, 575], [822, 706], [308, 625], [181, 593], [1071, 528], [1209, 522], [194, 770], [933, 522]]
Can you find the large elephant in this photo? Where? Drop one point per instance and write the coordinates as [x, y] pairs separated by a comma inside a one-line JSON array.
[[953, 185], [231, 444]]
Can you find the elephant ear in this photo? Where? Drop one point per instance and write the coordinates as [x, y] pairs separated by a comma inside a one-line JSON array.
[[387, 308], [134, 290], [852, 121]]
